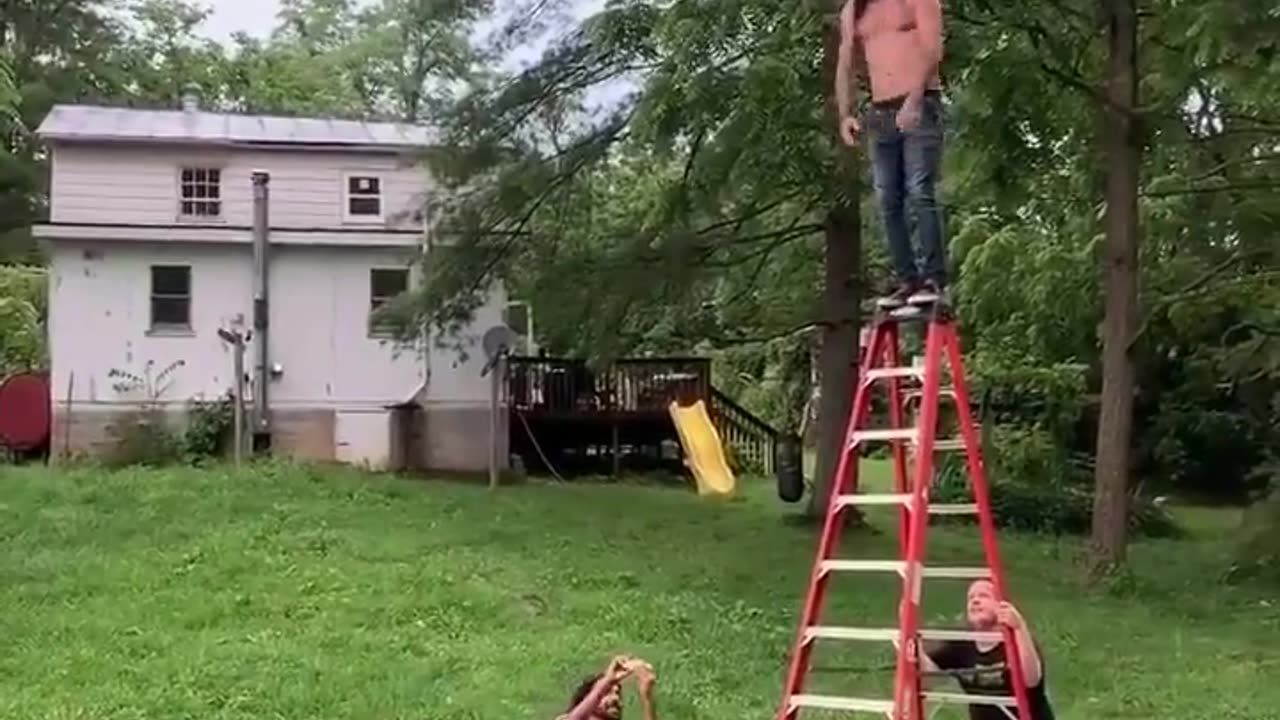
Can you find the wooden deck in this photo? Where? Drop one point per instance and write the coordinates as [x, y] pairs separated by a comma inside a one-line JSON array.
[[607, 420], [569, 388]]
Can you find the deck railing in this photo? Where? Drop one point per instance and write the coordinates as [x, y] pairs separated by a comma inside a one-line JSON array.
[[752, 439], [569, 386]]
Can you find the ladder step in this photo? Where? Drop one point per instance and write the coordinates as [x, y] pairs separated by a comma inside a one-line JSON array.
[[873, 499], [828, 632], [966, 699], [958, 573], [835, 702], [884, 435], [953, 509], [898, 566], [886, 373], [904, 499], [908, 434], [863, 566]]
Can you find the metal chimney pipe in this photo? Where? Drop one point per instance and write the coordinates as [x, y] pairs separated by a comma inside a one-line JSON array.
[[190, 97], [262, 368]]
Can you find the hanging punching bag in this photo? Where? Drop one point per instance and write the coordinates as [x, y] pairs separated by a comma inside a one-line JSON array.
[[788, 463]]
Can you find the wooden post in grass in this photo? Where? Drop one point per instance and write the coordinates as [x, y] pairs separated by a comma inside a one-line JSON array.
[[236, 340]]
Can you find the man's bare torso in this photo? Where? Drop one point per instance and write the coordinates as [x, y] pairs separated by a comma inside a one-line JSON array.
[[887, 34]]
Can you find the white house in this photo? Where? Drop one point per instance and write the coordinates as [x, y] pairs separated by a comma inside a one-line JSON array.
[[151, 247]]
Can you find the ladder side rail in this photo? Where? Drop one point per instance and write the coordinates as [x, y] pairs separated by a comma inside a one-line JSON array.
[[981, 495], [897, 419], [907, 684], [845, 475]]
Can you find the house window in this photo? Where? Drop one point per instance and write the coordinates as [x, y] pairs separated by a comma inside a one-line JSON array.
[[363, 198], [384, 285], [201, 193], [171, 297]]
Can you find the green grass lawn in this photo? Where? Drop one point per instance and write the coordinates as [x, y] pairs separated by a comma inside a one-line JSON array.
[[288, 592]]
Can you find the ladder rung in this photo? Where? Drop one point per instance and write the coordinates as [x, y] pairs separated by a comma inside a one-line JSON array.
[[873, 499], [863, 566], [948, 444], [835, 702], [974, 635], [958, 573], [898, 566], [886, 373], [828, 632], [953, 509], [884, 435], [966, 699], [904, 499]]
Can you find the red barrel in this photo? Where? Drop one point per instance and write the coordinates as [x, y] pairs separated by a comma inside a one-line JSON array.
[[25, 419]]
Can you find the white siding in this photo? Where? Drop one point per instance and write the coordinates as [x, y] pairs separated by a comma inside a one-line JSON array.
[[456, 381], [320, 335], [100, 314], [139, 185]]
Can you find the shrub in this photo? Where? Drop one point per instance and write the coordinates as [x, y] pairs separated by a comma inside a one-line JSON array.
[[142, 437], [210, 429], [1035, 487], [1257, 553], [22, 311]]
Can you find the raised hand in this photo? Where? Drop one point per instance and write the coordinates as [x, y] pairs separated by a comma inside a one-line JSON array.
[[1008, 615]]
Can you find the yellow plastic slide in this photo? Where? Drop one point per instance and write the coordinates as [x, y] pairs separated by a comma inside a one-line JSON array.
[[703, 451]]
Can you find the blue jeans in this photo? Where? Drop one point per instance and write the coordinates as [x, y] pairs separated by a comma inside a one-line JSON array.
[[906, 167]]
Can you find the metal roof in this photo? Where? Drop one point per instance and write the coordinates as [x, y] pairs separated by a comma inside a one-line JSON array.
[[116, 124]]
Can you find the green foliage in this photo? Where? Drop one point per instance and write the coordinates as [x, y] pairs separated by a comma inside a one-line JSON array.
[[1257, 551], [10, 99], [23, 308], [210, 429], [142, 437], [1037, 487], [1257, 555]]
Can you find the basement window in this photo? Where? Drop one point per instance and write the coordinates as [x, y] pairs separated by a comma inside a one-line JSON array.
[[171, 297], [362, 199], [384, 285], [200, 193]]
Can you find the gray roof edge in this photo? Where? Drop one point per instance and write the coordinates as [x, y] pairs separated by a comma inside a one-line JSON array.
[[108, 124]]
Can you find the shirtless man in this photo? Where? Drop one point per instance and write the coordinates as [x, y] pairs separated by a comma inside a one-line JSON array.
[[981, 667], [599, 697], [901, 41]]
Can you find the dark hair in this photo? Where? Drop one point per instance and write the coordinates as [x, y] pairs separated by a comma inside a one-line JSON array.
[[583, 690], [859, 7]]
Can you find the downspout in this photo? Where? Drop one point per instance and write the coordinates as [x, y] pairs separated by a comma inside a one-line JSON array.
[[262, 367]]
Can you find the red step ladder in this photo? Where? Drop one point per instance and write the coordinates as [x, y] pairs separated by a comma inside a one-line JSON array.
[[882, 364]]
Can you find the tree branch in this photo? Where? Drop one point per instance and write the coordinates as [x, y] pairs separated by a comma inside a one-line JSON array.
[[1189, 288], [1234, 187]]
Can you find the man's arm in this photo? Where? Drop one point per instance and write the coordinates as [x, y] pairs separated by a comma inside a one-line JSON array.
[[928, 14], [1032, 670], [844, 61]]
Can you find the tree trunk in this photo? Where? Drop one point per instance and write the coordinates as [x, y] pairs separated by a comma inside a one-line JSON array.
[[838, 356], [838, 353], [1123, 161]]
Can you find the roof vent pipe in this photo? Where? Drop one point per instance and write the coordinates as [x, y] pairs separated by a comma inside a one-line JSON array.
[[190, 97]]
